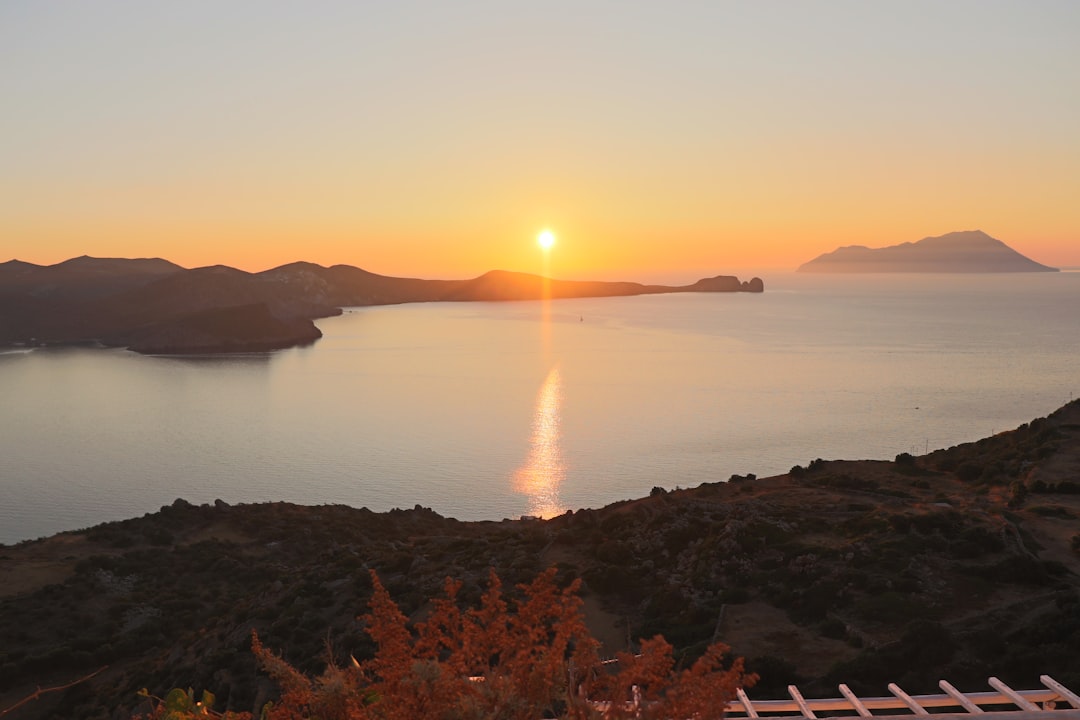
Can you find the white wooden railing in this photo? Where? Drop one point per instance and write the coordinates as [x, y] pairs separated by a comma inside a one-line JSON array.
[[1053, 697]]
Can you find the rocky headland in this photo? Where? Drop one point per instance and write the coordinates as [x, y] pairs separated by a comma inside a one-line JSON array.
[[154, 306], [971, 251], [960, 564]]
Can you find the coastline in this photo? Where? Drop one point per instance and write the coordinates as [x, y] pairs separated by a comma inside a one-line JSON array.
[[156, 307], [838, 571]]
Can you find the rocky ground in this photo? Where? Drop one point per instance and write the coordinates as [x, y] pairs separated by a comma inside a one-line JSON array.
[[960, 564]]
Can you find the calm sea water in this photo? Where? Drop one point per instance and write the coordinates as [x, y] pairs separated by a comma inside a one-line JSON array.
[[485, 411]]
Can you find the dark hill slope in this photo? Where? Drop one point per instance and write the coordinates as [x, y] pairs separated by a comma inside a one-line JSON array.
[[142, 312], [345, 285], [959, 252], [153, 304], [960, 564], [82, 278], [234, 328], [209, 288]]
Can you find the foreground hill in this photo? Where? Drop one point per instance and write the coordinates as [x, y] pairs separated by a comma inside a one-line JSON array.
[[960, 564], [972, 251], [154, 306]]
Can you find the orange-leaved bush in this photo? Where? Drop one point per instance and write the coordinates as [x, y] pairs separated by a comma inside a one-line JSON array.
[[523, 660]]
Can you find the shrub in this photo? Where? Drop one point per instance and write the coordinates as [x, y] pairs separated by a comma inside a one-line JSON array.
[[833, 628], [740, 595], [969, 472], [486, 661], [1018, 493], [776, 674], [892, 607]]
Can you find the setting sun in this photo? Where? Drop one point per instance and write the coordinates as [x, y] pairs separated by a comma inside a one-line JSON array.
[[546, 239]]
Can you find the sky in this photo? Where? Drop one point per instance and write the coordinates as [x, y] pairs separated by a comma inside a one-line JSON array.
[[437, 139]]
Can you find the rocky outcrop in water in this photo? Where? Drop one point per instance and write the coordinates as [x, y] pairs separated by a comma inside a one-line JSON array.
[[726, 283]]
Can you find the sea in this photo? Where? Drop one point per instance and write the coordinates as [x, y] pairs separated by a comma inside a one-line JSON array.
[[485, 411]]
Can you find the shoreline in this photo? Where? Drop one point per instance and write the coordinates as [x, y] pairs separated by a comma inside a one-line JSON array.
[[838, 571], [1072, 405], [155, 307]]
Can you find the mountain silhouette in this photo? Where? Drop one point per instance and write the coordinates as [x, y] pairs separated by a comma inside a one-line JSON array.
[[971, 251], [154, 306]]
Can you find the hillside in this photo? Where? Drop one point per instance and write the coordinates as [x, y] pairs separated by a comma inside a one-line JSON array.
[[154, 306], [972, 251], [962, 563]]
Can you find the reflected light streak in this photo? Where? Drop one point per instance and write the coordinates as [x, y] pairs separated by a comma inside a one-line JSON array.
[[543, 471]]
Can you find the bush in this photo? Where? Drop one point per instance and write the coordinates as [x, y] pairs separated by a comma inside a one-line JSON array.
[[1018, 493], [485, 661], [833, 628], [969, 472], [892, 607], [740, 595], [775, 674]]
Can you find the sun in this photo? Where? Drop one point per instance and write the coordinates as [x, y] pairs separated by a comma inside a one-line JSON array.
[[545, 239]]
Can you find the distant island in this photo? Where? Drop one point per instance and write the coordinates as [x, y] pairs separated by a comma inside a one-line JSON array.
[[962, 563], [971, 251], [154, 306]]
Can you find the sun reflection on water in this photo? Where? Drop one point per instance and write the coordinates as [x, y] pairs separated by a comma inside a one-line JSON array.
[[543, 471]]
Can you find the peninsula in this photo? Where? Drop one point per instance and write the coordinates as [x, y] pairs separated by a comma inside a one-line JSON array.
[[961, 563], [157, 307], [971, 251]]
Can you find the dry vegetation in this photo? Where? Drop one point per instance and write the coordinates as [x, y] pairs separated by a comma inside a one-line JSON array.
[[959, 564]]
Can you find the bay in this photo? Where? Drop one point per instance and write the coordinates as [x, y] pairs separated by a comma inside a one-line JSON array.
[[493, 410]]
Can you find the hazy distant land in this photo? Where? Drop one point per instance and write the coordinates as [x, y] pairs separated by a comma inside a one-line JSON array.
[[971, 251], [155, 306], [960, 564]]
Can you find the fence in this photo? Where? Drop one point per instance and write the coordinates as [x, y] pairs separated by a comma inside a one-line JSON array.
[[1002, 703]]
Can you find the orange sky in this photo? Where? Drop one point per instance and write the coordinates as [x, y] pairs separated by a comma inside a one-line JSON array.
[[420, 140]]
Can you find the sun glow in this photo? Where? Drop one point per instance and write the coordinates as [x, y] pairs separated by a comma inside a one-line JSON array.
[[545, 240]]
